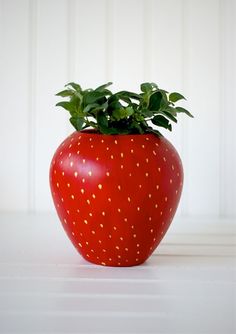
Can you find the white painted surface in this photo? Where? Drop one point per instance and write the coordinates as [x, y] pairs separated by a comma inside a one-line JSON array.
[[188, 46], [188, 286]]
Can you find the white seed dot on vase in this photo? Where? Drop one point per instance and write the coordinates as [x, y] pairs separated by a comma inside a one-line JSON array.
[[97, 158], [102, 141], [85, 221], [150, 218], [73, 223], [159, 169], [164, 158], [58, 185], [93, 196], [90, 173], [156, 206], [78, 210], [92, 251], [109, 259], [75, 174], [100, 241], [132, 139], [72, 196], [170, 209], [143, 146], [93, 232], [55, 171], [138, 208], [62, 199], [90, 214], [107, 174], [173, 167], [119, 263], [166, 199], [119, 187], [83, 161], [121, 166], [115, 228], [146, 174], [82, 191], [151, 230], [109, 236], [121, 238], [117, 247], [68, 185], [147, 160], [140, 186], [112, 157], [149, 195], [73, 233], [90, 139], [103, 263], [157, 144], [125, 219], [136, 260], [147, 138], [171, 181], [78, 152], [138, 252], [138, 245], [134, 235], [161, 213], [132, 226], [154, 152], [119, 257], [88, 201], [86, 242], [131, 151], [80, 244], [176, 191], [109, 199], [71, 163], [101, 225], [91, 146], [129, 199], [119, 210], [69, 155], [62, 173], [157, 186], [122, 155], [65, 221], [103, 213], [115, 141], [104, 250], [108, 148], [126, 249], [130, 174], [100, 186]]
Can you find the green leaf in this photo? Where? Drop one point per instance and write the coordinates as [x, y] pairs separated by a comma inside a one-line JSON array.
[[102, 87], [70, 106], [174, 97], [122, 113], [146, 87], [161, 121], [77, 122], [92, 97], [168, 115], [75, 86], [130, 95], [180, 109], [147, 113], [155, 101], [65, 93]]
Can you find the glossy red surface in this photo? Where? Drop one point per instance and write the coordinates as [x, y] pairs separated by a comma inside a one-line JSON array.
[[116, 195]]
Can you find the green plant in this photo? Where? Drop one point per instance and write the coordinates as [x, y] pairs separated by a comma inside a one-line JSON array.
[[123, 112]]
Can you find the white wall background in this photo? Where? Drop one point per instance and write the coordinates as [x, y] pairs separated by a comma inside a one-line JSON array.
[[188, 46]]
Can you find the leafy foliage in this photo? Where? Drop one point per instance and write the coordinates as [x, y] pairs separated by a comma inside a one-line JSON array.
[[123, 112]]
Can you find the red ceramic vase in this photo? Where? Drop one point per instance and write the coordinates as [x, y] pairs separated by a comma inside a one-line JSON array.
[[116, 195]]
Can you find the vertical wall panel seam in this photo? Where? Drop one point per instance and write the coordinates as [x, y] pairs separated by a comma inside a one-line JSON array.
[[71, 45], [108, 39], [32, 102], [184, 134], [222, 94]]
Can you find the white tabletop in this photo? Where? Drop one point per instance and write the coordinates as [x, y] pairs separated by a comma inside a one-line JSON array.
[[187, 286]]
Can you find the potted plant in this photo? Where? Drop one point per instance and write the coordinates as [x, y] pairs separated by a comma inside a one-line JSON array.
[[116, 181]]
